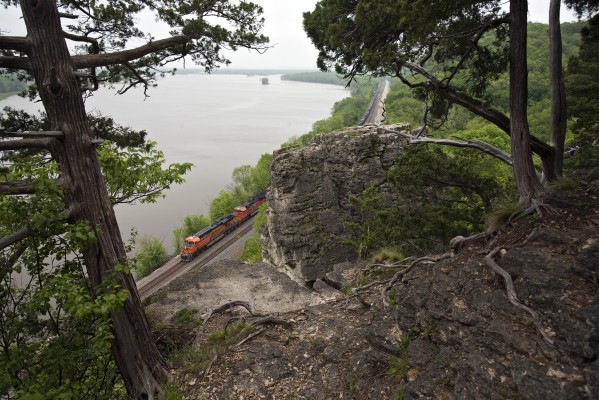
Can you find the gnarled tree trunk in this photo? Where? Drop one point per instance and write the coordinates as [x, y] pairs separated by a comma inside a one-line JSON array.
[[527, 182], [85, 193]]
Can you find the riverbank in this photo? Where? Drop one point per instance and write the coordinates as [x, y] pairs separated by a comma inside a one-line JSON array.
[[7, 95]]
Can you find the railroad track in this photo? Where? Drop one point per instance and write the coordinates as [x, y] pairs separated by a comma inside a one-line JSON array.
[[176, 267]]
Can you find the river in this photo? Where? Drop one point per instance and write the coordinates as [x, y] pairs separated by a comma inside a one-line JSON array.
[[217, 122]]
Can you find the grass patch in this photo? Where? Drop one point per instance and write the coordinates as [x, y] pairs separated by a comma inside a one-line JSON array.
[[388, 255], [186, 317], [196, 360], [154, 298], [502, 214], [564, 183]]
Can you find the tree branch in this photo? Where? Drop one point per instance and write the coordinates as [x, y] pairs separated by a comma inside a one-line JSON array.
[[16, 43], [15, 63], [121, 57], [17, 187], [78, 38], [33, 134], [24, 144], [14, 238], [473, 144], [475, 106]]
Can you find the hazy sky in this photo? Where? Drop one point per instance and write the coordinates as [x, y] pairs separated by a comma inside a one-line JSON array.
[[292, 49]]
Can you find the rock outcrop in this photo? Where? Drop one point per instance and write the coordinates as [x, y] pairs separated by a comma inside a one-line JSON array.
[[310, 197], [450, 331]]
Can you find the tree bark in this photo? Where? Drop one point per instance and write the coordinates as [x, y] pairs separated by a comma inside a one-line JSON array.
[[558, 90], [525, 176], [86, 197]]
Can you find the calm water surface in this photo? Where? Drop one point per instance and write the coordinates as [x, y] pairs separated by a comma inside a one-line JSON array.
[[217, 122]]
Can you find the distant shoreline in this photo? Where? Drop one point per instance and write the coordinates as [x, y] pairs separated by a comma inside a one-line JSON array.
[[7, 95]]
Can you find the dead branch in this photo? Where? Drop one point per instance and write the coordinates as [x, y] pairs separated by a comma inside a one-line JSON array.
[[473, 144], [214, 358], [237, 319], [14, 238], [356, 294], [229, 306]]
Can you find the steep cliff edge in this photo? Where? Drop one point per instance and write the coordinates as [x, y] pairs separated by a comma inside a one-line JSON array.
[[309, 197], [449, 333]]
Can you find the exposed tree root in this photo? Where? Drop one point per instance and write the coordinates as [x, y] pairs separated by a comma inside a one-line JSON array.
[[511, 293], [250, 336], [398, 275], [510, 288], [229, 306]]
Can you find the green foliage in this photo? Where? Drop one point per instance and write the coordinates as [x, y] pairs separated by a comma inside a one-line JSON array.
[[194, 360], [373, 230], [136, 173], [439, 193], [252, 253], [564, 183], [314, 77], [583, 104], [345, 112], [191, 224], [150, 257], [247, 181], [54, 333], [503, 212], [223, 204], [186, 316], [388, 255]]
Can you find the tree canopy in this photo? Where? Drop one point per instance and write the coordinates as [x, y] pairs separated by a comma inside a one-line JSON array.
[[448, 55], [72, 47]]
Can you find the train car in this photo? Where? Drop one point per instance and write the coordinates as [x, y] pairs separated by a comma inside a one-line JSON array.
[[249, 208], [203, 239]]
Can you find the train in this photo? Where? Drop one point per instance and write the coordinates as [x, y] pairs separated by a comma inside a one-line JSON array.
[[200, 241]]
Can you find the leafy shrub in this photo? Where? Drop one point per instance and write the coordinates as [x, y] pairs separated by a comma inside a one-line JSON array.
[[150, 257]]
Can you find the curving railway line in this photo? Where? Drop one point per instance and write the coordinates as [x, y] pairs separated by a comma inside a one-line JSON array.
[[176, 267]]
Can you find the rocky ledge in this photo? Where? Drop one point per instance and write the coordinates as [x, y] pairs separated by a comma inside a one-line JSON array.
[[309, 200], [449, 331]]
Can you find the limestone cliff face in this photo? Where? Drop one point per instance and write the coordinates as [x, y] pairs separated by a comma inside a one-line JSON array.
[[309, 198]]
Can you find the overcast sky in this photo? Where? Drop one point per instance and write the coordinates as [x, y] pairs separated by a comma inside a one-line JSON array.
[[292, 49]]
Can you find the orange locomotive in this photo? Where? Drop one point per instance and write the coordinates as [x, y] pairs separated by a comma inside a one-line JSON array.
[[203, 239]]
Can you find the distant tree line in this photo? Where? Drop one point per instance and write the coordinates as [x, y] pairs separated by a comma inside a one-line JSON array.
[[9, 83], [315, 77]]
